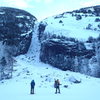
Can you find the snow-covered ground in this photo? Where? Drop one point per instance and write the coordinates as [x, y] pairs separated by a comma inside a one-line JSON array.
[[68, 26], [25, 69]]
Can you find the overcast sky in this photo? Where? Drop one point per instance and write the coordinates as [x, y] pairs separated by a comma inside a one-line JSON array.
[[44, 8]]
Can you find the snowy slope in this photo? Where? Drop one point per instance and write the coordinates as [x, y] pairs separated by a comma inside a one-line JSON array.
[[25, 70], [75, 24]]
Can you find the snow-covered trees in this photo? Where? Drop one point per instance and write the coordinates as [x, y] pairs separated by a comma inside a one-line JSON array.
[[2, 66], [6, 62], [98, 57]]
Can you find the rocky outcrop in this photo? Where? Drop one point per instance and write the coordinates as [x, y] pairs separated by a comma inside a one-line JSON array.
[[16, 30], [16, 27], [63, 54]]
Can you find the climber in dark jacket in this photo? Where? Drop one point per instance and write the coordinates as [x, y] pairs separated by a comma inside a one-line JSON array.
[[32, 87]]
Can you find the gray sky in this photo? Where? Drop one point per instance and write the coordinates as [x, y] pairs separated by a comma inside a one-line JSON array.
[[44, 8]]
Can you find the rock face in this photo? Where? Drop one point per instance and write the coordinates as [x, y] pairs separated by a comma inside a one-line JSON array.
[[16, 30], [63, 54], [16, 27], [69, 41]]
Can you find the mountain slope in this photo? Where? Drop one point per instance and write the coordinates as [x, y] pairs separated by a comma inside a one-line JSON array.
[[70, 41], [79, 24]]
